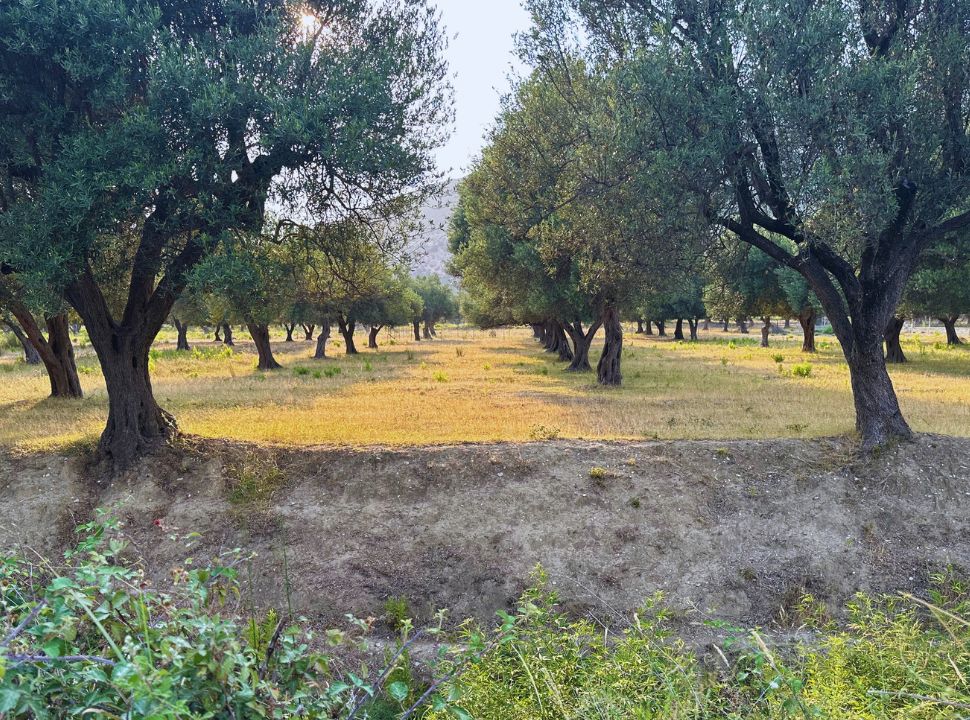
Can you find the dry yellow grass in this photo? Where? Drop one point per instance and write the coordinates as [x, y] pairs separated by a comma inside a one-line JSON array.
[[479, 386]]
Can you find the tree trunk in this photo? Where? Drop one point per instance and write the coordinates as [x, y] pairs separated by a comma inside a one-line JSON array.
[[950, 323], [581, 343], [260, 334], [878, 418], [372, 336], [321, 351], [227, 335], [308, 332], [426, 332], [55, 351], [608, 368], [537, 331], [742, 326], [416, 326], [707, 324], [806, 318], [432, 329], [31, 356], [550, 338], [218, 336], [661, 328], [679, 329], [183, 331], [648, 327], [727, 325], [894, 350], [765, 331], [347, 328], [692, 324], [640, 330], [289, 327], [787, 323], [562, 343]]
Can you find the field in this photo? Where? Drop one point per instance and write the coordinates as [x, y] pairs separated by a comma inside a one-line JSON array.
[[475, 386]]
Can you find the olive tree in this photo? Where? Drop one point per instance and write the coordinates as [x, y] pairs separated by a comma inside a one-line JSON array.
[[137, 137], [830, 135]]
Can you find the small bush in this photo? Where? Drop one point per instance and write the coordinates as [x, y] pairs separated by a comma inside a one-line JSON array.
[[301, 371], [332, 371], [778, 358], [802, 370], [598, 473], [439, 376]]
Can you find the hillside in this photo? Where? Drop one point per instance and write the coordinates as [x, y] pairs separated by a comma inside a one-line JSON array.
[[431, 248]]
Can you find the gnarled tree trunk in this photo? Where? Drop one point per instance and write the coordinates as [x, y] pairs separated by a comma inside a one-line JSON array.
[[227, 335], [894, 350], [372, 336], [806, 318], [661, 328], [878, 418], [692, 324], [416, 327], [31, 356], [648, 327], [218, 336], [321, 350], [950, 324], [727, 325], [608, 368], [308, 332], [640, 330], [742, 326], [347, 328], [183, 332], [55, 351], [426, 331], [289, 327], [765, 330], [679, 329], [260, 334], [562, 344], [581, 343]]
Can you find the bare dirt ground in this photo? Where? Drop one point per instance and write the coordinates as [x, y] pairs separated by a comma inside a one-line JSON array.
[[737, 529]]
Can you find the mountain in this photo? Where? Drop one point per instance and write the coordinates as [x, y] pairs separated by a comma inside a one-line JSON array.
[[430, 249]]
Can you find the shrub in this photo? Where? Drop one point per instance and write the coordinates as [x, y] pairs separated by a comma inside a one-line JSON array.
[[439, 376], [96, 637], [802, 370]]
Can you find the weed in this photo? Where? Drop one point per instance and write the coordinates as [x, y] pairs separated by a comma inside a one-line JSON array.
[[543, 432], [459, 352], [301, 371], [802, 370], [397, 611], [598, 473], [439, 376], [778, 358]]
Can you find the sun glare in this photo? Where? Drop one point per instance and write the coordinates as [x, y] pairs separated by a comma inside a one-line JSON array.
[[309, 22]]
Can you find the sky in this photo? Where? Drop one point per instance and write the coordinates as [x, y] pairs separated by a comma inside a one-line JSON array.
[[481, 57]]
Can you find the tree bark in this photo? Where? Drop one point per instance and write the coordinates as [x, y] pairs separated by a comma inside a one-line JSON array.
[[321, 350], [183, 331], [55, 351], [308, 332], [661, 328], [742, 326], [608, 368], [227, 335], [950, 323], [894, 350], [707, 324], [648, 327], [581, 344], [692, 324], [416, 326], [765, 330], [806, 318], [727, 325], [289, 327], [218, 335], [562, 344], [640, 330], [679, 329], [260, 335], [426, 331], [787, 323], [31, 356], [347, 328], [878, 418], [372, 336]]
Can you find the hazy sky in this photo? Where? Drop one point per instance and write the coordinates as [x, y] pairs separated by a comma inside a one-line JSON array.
[[480, 57]]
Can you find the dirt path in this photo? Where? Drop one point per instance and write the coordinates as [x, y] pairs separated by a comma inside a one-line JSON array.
[[738, 528]]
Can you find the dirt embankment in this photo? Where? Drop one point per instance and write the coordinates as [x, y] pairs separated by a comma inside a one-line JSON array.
[[737, 528]]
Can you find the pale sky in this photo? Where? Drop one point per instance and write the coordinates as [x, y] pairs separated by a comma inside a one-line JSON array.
[[480, 57]]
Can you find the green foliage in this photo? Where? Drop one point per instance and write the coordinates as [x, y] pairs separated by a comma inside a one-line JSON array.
[[803, 370], [96, 634]]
